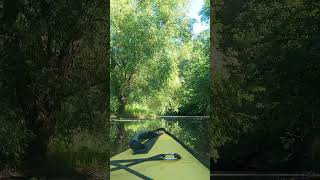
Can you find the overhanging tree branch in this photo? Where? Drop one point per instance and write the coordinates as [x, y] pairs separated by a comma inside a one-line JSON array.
[[73, 92]]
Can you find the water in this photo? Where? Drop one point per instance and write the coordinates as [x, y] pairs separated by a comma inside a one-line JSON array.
[[189, 130]]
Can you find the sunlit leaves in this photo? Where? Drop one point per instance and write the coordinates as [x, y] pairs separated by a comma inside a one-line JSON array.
[[144, 55], [196, 76]]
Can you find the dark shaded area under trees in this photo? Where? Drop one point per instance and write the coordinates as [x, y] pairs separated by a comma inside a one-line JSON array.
[[53, 78], [265, 97]]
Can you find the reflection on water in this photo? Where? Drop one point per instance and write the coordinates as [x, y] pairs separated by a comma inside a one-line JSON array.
[[190, 131]]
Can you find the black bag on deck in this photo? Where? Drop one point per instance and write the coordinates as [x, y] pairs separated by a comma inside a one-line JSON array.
[[137, 145]]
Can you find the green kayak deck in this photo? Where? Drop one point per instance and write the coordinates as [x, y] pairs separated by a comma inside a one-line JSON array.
[[187, 168]]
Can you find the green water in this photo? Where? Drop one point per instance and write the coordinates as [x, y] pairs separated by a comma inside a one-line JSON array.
[[189, 131]]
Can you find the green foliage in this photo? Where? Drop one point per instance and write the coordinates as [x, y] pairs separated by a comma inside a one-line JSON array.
[[148, 40], [157, 67], [13, 137], [269, 49], [82, 150], [205, 11], [195, 73], [53, 78], [138, 110]]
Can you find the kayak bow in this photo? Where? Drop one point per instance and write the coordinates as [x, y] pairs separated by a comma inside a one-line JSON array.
[[155, 162]]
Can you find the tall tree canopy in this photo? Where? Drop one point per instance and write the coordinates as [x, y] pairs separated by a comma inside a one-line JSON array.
[[271, 52], [148, 40], [53, 62], [195, 73]]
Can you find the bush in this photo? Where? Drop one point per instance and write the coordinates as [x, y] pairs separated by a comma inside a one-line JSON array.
[[80, 150], [13, 138], [140, 111]]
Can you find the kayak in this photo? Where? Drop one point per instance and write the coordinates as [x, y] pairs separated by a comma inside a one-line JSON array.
[[167, 159]]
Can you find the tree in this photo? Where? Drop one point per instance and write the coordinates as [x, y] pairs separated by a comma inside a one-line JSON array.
[[271, 70], [195, 73], [45, 50], [147, 39]]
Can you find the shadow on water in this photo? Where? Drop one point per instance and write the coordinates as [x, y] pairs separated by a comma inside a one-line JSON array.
[[188, 130]]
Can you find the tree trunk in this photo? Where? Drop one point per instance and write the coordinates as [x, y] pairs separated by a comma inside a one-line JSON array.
[[37, 149], [118, 142], [37, 146], [122, 107], [38, 116]]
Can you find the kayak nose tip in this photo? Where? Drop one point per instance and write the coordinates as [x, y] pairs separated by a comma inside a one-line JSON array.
[[177, 156], [174, 156]]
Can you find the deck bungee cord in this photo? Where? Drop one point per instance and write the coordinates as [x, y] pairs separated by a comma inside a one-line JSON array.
[[160, 155], [130, 170], [138, 147]]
